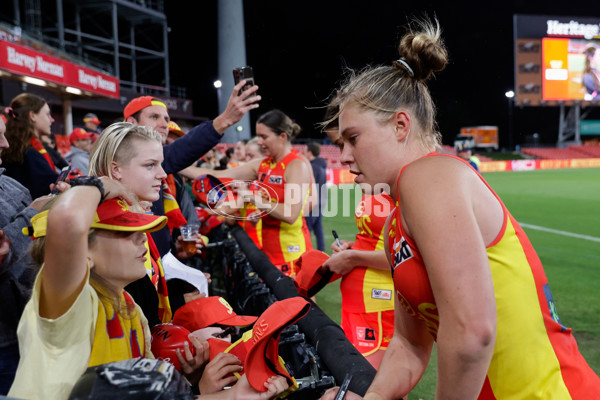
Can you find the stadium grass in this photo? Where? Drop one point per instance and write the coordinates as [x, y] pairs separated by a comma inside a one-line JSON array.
[[563, 200]]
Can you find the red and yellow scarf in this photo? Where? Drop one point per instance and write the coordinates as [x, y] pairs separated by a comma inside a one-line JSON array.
[[175, 218], [157, 276], [37, 145], [117, 338]]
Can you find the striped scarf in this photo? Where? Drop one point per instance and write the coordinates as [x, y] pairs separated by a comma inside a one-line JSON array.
[[157, 276], [37, 145], [175, 218], [117, 338]]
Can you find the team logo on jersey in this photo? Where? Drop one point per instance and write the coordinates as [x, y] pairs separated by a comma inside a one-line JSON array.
[[276, 179], [360, 209], [293, 249], [402, 253], [364, 333], [381, 294]]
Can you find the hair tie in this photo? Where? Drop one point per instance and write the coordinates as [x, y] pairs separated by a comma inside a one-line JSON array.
[[405, 64], [9, 111]]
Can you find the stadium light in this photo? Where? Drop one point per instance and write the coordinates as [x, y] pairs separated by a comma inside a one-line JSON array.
[[217, 84], [73, 90], [34, 81], [510, 95]]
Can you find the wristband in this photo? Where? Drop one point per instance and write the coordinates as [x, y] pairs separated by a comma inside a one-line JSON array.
[[89, 181]]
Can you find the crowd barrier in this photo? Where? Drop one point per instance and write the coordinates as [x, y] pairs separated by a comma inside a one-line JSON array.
[[315, 350]]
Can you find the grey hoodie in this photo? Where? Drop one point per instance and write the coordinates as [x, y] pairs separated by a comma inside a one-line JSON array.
[[79, 159]]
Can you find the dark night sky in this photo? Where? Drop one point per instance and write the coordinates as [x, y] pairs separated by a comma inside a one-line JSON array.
[[299, 50]]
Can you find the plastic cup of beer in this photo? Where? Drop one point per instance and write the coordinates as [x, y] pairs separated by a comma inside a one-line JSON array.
[[189, 233]]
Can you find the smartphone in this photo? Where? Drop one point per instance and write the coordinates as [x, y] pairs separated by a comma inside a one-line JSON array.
[[241, 73], [62, 176]]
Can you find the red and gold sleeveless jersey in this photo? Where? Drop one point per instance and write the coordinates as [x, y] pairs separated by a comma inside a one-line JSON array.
[[535, 355], [367, 289], [282, 242]]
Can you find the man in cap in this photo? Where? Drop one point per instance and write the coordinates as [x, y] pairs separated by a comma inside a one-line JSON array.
[[465, 151], [175, 132], [92, 123], [79, 156]]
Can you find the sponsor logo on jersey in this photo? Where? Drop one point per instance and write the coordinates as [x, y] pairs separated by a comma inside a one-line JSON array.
[[381, 294], [276, 179], [402, 253], [293, 249]]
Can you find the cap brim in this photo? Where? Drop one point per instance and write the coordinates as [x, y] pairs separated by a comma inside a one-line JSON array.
[[177, 132], [238, 320], [263, 359], [132, 222]]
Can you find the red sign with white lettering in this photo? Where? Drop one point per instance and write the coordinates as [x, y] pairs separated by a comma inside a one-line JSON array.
[[23, 60]]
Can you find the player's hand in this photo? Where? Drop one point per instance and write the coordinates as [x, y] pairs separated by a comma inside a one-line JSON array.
[[346, 244], [330, 394], [341, 262]]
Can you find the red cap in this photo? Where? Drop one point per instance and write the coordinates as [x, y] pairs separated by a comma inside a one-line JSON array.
[[238, 349], [310, 279], [262, 359], [78, 134], [174, 128], [91, 117], [113, 215], [208, 311], [166, 339], [139, 103]]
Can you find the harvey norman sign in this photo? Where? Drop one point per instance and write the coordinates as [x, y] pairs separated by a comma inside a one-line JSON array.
[[25, 61]]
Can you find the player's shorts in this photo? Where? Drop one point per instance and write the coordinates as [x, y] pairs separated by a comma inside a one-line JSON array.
[[289, 268], [369, 332]]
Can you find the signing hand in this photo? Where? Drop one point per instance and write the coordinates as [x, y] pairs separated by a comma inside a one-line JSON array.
[[341, 262], [346, 244], [330, 394]]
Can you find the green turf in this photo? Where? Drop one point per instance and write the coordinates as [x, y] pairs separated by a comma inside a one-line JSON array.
[[563, 200]]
